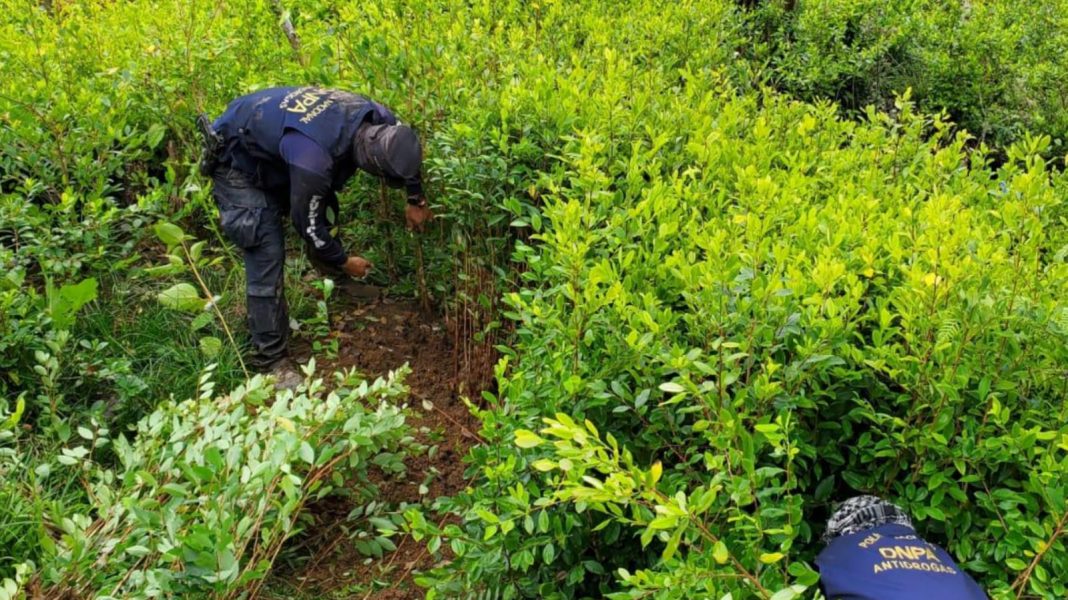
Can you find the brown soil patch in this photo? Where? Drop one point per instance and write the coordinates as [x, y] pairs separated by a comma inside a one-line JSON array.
[[375, 338]]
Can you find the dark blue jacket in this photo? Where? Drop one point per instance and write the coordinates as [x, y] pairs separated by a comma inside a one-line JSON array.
[[891, 562], [252, 128], [299, 139]]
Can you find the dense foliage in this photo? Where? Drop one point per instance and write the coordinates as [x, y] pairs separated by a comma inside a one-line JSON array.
[[747, 267], [209, 489], [995, 67], [766, 326]]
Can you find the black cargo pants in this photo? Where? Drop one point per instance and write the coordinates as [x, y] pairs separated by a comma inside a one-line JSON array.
[[251, 218]]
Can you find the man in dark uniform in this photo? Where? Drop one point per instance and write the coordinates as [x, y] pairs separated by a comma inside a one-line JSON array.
[[873, 553], [286, 152]]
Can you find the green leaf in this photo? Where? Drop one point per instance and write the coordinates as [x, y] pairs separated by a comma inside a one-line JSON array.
[[548, 553], [382, 524], [13, 419], [169, 233], [655, 472], [65, 304], [527, 439], [769, 558], [593, 567], [673, 544], [196, 250], [154, 135], [719, 553], [210, 346], [544, 464], [79, 294], [825, 487], [1016, 564], [663, 522], [176, 490], [307, 454], [671, 387], [487, 516], [803, 573], [201, 321], [137, 551], [785, 594], [181, 296]]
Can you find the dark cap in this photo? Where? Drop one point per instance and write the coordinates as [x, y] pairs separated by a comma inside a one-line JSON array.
[[392, 151]]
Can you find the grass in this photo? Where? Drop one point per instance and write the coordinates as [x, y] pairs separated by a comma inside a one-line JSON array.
[[162, 348], [160, 344]]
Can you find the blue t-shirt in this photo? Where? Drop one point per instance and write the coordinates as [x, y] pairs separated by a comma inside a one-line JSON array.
[[891, 562]]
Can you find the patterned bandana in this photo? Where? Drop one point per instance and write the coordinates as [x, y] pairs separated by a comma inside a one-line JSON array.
[[863, 512]]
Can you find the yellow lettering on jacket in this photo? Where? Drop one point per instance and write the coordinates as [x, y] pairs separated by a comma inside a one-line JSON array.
[[912, 553], [302, 104], [871, 539]]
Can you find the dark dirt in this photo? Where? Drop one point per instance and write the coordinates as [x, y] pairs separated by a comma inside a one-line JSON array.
[[376, 336]]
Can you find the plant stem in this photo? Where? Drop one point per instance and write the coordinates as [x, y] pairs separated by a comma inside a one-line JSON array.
[[1021, 582], [289, 30], [420, 274], [215, 307]]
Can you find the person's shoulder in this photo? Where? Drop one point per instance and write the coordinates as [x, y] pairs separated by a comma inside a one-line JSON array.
[[867, 538], [835, 548]]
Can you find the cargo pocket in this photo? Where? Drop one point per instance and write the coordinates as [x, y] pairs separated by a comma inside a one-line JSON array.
[[240, 224]]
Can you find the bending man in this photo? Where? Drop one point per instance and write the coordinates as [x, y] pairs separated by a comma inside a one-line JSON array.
[[287, 152]]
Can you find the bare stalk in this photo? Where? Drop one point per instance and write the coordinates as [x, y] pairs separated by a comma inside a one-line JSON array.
[[215, 307], [420, 275], [289, 30], [1021, 582]]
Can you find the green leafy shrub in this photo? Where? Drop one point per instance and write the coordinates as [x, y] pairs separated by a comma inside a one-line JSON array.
[[790, 309], [776, 305], [992, 66], [209, 489]]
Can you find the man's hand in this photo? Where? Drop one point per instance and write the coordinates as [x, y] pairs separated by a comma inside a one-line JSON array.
[[357, 267], [417, 215]]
